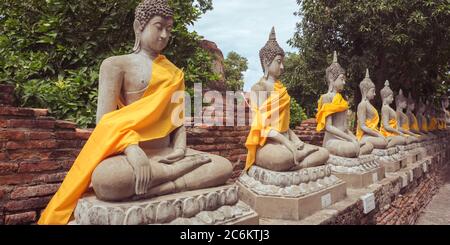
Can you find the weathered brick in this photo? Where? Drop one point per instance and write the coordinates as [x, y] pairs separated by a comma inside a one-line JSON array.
[[66, 135], [21, 123], [32, 178], [16, 179], [27, 204], [36, 135], [15, 135], [39, 166], [8, 168], [83, 133], [32, 144], [24, 155], [34, 191], [3, 156], [50, 178], [41, 123], [68, 144], [65, 124], [20, 219]]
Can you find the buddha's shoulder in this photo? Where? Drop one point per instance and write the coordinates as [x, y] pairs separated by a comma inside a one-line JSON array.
[[327, 98], [118, 61]]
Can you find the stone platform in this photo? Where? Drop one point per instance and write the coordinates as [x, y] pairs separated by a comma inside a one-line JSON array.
[[357, 172], [413, 152], [391, 159], [291, 195], [213, 206]]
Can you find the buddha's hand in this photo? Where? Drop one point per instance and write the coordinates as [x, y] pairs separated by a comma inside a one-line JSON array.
[[141, 167], [177, 155], [299, 145]]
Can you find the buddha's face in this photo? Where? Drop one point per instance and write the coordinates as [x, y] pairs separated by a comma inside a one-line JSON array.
[[445, 103], [276, 67], [411, 106], [339, 83], [403, 104], [389, 99], [371, 93], [156, 34]]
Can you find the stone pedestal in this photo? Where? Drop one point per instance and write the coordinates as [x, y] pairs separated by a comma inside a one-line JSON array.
[[290, 195], [413, 152], [391, 159], [213, 206], [357, 172]]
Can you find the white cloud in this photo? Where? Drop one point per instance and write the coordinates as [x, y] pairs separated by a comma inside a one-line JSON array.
[[244, 26]]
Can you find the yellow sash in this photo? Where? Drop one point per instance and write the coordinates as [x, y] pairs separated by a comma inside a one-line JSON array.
[[339, 104], [278, 102], [370, 123], [146, 119], [433, 124], [424, 126], [415, 124], [394, 124]]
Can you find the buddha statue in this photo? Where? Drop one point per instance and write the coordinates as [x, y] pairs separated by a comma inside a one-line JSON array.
[[368, 118], [332, 117], [403, 120], [389, 123], [445, 103], [276, 147], [423, 121], [279, 165], [137, 149], [414, 125]]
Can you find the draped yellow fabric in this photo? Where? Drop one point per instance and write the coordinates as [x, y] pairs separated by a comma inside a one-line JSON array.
[[415, 124], [265, 119], [394, 124], [405, 126], [146, 119], [424, 126], [433, 124], [339, 104], [370, 123]]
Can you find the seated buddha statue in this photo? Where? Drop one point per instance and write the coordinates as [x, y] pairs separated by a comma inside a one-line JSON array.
[[414, 126], [273, 145], [332, 117], [368, 119], [445, 103], [423, 121], [138, 150], [403, 120], [389, 123], [430, 115]]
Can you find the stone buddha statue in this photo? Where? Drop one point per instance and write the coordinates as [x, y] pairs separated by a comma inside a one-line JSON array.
[[403, 120], [368, 118], [332, 117], [281, 149], [422, 120], [389, 122], [414, 125], [445, 103], [137, 149]]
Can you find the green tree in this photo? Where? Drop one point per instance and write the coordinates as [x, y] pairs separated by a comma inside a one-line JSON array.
[[403, 41], [52, 49], [235, 66]]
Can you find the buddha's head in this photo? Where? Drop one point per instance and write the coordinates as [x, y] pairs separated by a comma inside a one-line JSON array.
[[152, 25], [335, 75], [272, 57], [367, 87], [400, 101], [387, 95], [421, 107], [411, 103]]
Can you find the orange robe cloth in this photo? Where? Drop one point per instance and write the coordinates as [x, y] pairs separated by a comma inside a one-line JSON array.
[[339, 104], [424, 125], [415, 124], [394, 124], [265, 119], [147, 119], [370, 123], [433, 124]]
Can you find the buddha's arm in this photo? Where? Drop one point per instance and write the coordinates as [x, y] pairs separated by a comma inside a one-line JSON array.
[[281, 139], [386, 124], [362, 117], [109, 85]]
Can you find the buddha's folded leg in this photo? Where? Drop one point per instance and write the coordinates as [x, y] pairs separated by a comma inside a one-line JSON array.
[[377, 142], [212, 174], [396, 140], [315, 159], [365, 148], [410, 140], [114, 178], [342, 148], [275, 157]]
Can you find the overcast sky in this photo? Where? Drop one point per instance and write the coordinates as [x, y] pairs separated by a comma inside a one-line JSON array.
[[243, 26]]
